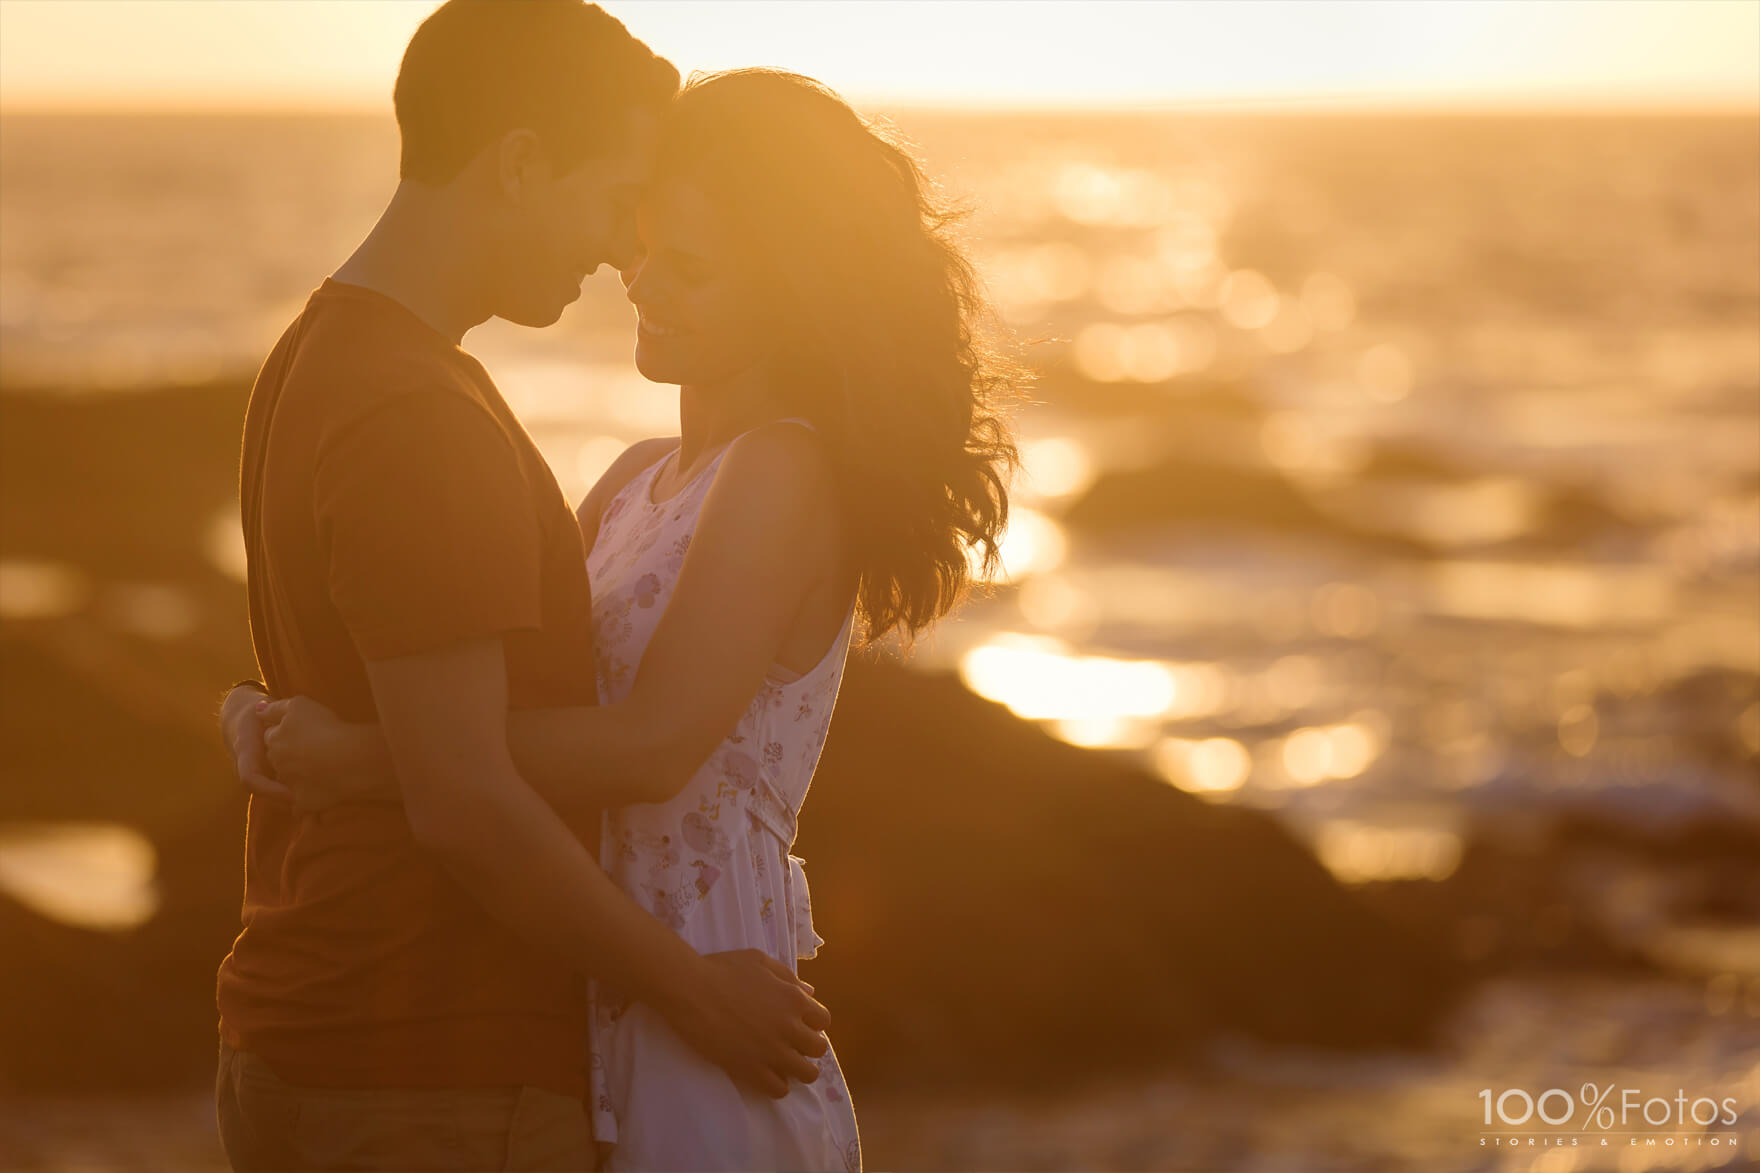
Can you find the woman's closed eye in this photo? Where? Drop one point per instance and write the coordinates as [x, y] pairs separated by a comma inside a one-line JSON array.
[[675, 265], [693, 271]]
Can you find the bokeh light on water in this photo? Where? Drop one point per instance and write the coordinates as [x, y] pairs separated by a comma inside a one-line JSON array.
[[93, 875], [39, 589]]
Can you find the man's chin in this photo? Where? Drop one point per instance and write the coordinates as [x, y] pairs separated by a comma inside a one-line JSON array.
[[534, 316]]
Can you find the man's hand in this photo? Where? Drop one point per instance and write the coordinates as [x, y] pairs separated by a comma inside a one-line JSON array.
[[755, 1020], [444, 716]]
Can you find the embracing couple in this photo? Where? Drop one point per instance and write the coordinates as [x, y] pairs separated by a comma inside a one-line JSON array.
[[525, 777]]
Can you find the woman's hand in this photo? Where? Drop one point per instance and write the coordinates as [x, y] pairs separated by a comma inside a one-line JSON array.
[[322, 760], [241, 724]]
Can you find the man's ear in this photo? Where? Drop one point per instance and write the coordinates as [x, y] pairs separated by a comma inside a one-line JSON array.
[[520, 163]]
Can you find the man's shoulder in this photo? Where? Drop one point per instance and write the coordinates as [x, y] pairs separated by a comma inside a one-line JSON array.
[[365, 348], [340, 376], [429, 418]]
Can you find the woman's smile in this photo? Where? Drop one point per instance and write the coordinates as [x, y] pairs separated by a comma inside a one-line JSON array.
[[654, 329]]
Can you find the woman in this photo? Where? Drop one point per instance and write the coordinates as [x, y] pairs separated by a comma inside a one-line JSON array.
[[841, 451]]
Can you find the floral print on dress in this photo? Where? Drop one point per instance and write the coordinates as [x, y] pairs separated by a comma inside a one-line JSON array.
[[739, 769], [713, 861]]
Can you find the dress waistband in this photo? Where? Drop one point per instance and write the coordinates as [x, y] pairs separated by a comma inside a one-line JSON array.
[[770, 813]]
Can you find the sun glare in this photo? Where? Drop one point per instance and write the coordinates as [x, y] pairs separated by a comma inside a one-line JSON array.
[[291, 53]]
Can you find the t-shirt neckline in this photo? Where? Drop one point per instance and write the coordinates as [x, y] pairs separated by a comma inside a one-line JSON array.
[[330, 286]]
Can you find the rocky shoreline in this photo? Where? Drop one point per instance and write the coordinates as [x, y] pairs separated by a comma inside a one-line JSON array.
[[1001, 909]]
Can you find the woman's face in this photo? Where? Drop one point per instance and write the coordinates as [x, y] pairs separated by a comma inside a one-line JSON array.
[[700, 317]]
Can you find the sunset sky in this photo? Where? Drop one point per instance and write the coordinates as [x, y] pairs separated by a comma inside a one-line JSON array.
[[344, 53]]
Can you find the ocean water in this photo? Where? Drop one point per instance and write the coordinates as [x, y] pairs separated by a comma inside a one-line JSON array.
[[1385, 471]]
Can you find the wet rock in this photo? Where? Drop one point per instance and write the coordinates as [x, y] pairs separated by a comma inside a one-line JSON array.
[[1195, 488], [1581, 890], [1001, 905], [1187, 491], [82, 1009]]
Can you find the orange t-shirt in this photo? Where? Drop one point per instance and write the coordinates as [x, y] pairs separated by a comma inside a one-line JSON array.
[[393, 505]]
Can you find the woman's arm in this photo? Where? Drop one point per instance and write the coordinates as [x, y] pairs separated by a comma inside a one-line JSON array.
[[767, 532], [325, 760]]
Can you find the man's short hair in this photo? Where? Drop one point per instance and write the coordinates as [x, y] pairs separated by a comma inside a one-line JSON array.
[[565, 69]]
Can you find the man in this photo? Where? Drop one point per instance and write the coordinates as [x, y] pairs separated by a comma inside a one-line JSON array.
[[406, 990]]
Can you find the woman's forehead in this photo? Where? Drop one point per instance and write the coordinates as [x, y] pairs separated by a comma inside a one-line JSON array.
[[682, 213]]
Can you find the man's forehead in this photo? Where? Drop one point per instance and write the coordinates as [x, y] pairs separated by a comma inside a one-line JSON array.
[[626, 161], [641, 142]]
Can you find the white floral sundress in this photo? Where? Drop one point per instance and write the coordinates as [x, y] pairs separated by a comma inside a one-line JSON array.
[[714, 863]]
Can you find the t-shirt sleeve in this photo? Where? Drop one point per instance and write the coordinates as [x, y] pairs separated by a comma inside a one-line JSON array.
[[428, 526]]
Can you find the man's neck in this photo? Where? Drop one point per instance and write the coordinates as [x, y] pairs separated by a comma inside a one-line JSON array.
[[413, 256]]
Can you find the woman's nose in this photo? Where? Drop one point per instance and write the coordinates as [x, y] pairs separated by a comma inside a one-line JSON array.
[[631, 273]]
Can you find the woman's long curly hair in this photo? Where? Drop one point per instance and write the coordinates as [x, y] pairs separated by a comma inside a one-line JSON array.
[[880, 322]]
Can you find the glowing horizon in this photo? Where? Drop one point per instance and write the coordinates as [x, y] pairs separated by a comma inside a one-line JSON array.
[[1497, 54]]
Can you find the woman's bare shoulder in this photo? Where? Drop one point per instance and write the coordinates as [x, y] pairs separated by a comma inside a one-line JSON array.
[[781, 477], [634, 459]]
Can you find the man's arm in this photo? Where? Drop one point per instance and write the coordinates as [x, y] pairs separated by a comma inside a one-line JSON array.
[[443, 716], [330, 761]]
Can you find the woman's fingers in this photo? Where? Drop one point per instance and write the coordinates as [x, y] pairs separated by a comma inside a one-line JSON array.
[[279, 751], [251, 763], [272, 713], [266, 786]]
